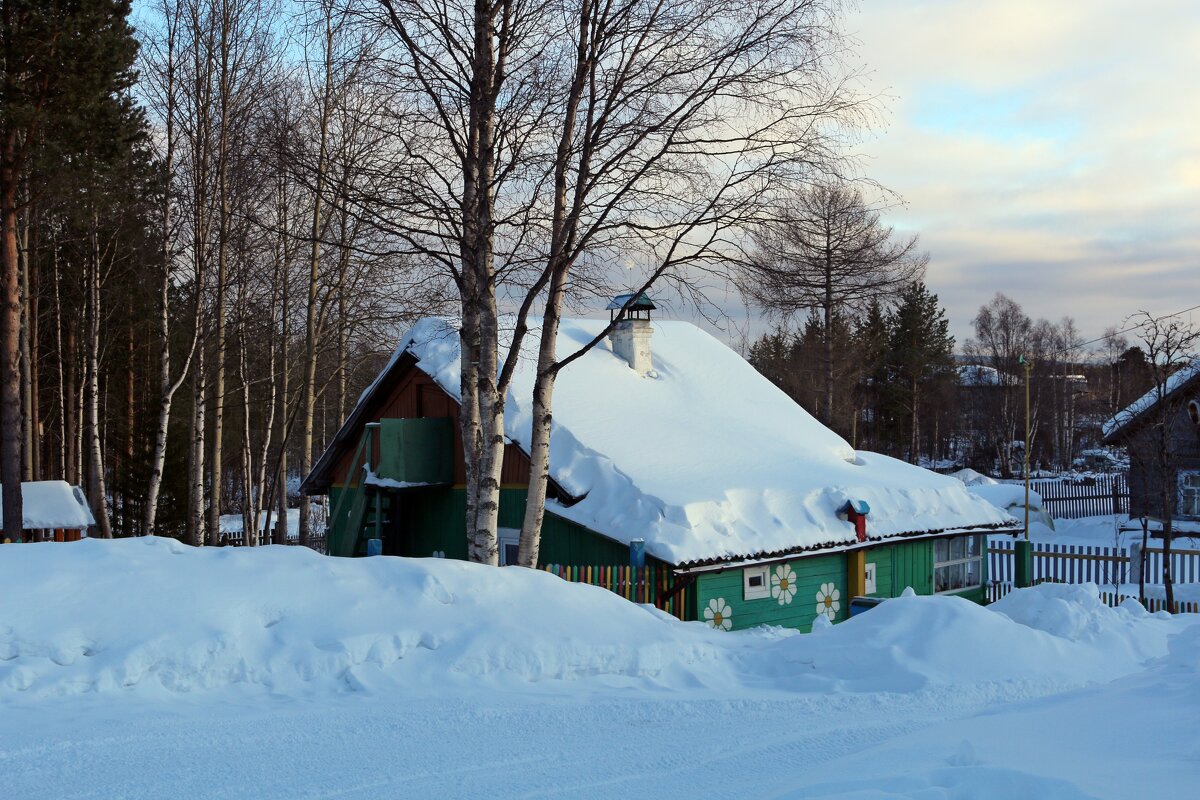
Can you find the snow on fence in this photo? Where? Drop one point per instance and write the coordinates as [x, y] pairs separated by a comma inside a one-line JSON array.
[[996, 590], [640, 585], [1092, 496]]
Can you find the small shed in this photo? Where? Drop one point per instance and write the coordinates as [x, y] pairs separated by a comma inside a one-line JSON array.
[[55, 506]]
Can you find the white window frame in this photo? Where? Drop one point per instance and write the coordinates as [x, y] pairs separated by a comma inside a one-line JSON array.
[[980, 553], [1189, 486], [507, 536], [762, 592]]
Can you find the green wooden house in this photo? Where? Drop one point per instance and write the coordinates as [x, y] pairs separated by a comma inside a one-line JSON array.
[[666, 446]]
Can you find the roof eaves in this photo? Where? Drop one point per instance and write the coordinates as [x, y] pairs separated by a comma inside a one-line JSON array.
[[725, 562]]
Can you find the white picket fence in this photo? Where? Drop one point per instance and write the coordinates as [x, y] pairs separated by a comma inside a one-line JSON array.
[[1067, 563]]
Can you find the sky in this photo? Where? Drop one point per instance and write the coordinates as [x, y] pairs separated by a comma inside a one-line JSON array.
[[1047, 149]]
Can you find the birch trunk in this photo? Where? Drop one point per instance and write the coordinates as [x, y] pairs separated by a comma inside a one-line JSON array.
[[166, 386], [219, 345], [99, 489], [196, 532], [312, 321], [249, 498]]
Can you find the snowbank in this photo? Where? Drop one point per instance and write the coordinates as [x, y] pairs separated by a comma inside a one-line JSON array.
[[745, 472], [155, 616]]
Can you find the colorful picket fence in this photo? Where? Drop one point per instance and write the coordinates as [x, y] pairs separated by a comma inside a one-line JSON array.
[[1073, 498], [647, 584]]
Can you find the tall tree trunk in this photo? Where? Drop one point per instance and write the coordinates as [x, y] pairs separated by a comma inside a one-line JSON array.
[[197, 532], [827, 366], [27, 323], [539, 446], [97, 483], [63, 361], [216, 459], [313, 323], [10, 343]]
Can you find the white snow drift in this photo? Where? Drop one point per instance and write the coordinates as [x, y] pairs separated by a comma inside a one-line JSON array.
[[153, 615]]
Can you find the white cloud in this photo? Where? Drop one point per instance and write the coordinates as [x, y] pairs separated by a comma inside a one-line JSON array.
[[1045, 149]]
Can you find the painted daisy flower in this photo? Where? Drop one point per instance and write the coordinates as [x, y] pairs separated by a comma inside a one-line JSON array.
[[783, 584], [718, 614], [828, 600]]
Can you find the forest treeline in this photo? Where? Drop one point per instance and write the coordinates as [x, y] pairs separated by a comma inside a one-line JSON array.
[[904, 387]]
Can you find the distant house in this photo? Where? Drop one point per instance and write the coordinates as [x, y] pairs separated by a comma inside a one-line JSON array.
[[54, 506], [1135, 427], [667, 440]]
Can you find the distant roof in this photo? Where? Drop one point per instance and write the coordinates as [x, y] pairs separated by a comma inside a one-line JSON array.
[[1123, 420], [744, 473], [978, 375], [52, 505], [642, 303]]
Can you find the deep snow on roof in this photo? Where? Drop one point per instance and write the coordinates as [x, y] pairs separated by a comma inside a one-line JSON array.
[[52, 504], [705, 459], [1147, 401]]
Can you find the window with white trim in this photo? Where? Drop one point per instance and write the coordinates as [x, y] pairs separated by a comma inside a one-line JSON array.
[[510, 545], [1189, 494], [756, 583], [957, 563]]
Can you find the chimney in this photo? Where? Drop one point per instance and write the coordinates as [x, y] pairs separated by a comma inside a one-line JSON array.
[[631, 337]]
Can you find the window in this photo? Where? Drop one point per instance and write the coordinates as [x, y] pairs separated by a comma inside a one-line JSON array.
[[755, 583], [1189, 494], [957, 563], [510, 545]]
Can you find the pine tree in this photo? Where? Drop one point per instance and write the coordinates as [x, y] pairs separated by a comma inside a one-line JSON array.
[[921, 355]]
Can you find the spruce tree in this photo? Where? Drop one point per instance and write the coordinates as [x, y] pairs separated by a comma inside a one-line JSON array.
[[871, 341], [921, 355]]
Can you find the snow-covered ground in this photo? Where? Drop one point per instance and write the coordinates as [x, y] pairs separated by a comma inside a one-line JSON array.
[[144, 668]]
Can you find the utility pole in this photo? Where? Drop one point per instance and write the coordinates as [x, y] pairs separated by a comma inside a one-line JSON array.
[[1028, 367], [1023, 552]]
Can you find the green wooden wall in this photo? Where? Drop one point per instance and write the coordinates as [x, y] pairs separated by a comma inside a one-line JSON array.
[[897, 566], [434, 521]]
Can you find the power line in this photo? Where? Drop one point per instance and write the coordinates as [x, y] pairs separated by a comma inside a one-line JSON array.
[[1108, 336]]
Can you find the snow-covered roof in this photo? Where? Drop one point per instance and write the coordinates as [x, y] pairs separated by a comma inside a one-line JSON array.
[[53, 505], [979, 375], [1126, 416], [705, 459]]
